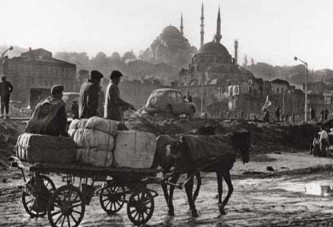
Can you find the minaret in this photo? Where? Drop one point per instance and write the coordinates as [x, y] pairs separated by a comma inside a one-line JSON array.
[[181, 25], [202, 32], [236, 51], [218, 35]]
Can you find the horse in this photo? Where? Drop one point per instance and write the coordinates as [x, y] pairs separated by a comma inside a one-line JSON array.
[[163, 159], [179, 155]]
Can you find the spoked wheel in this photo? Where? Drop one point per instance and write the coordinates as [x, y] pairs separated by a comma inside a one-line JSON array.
[[33, 207], [112, 198], [66, 207], [140, 207]]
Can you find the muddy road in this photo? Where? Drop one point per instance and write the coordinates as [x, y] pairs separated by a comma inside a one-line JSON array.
[[291, 195]]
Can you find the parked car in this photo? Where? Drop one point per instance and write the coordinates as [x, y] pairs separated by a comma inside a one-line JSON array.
[[171, 101]]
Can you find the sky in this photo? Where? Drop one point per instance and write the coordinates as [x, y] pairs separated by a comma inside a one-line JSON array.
[[271, 31]]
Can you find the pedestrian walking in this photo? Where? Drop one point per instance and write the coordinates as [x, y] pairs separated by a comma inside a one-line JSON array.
[[326, 114]]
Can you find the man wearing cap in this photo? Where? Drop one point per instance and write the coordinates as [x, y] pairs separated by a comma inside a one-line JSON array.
[[50, 117], [88, 100], [114, 105], [6, 89]]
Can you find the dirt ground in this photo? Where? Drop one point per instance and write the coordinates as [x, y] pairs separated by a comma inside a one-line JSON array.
[[288, 196], [273, 189]]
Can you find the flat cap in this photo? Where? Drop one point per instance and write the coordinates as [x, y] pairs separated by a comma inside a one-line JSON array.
[[116, 73], [94, 74], [56, 89]]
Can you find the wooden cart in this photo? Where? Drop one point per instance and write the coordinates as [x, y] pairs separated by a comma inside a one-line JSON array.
[[65, 205]]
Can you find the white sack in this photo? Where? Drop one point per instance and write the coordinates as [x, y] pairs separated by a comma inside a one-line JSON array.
[[94, 157], [134, 149]]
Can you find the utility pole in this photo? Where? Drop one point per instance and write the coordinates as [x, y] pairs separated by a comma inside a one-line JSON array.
[[305, 88]]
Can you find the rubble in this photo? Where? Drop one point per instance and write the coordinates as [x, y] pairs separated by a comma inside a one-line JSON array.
[[9, 131], [265, 137]]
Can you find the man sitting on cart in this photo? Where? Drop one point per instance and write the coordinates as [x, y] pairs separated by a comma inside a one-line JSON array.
[[49, 117]]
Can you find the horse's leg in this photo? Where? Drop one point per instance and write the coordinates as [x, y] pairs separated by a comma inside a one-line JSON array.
[[227, 179], [196, 192], [173, 180], [165, 191], [220, 191], [189, 191]]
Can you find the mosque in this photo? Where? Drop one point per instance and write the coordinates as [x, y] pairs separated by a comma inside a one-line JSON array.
[[213, 63], [218, 84]]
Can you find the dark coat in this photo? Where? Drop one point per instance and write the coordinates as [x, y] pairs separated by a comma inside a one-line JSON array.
[[88, 100], [49, 118], [5, 89], [114, 105]]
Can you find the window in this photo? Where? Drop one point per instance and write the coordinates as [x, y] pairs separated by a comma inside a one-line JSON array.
[[179, 97]]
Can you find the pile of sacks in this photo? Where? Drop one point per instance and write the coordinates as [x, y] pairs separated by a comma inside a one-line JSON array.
[[99, 143]]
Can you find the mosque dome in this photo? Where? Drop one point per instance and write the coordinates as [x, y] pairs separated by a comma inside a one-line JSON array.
[[170, 31], [170, 47], [218, 50]]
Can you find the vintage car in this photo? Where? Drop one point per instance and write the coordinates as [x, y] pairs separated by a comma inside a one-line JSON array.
[[170, 101]]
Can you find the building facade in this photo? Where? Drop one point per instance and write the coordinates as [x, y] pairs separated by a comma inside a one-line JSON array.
[[38, 69]]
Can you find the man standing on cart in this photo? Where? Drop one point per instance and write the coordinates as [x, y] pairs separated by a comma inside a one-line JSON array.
[[114, 105], [88, 100]]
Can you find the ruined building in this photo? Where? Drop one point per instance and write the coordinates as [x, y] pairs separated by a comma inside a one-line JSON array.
[[38, 69]]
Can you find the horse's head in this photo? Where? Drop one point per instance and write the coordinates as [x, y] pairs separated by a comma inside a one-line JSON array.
[[242, 144], [178, 155], [173, 150], [163, 156]]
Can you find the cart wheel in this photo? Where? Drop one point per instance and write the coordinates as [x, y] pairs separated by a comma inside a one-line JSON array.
[[29, 195], [66, 207], [140, 206], [112, 198]]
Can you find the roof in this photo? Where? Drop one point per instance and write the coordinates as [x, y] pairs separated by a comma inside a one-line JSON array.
[[51, 60], [166, 89], [279, 81], [71, 93]]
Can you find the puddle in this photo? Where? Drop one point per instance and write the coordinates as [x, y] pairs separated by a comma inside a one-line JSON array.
[[318, 188]]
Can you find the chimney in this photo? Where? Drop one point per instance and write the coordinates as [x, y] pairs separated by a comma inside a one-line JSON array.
[[30, 49], [236, 51]]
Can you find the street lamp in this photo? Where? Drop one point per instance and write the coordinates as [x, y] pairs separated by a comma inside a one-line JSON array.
[[305, 88], [3, 53], [2, 60]]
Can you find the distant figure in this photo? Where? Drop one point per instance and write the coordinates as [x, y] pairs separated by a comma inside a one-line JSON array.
[[114, 105], [322, 113], [75, 110], [313, 113], [324, 142], [278, 112], [326, 114], [266, 115], [188, 97], [315, 149], [50, 116], [6, 88], [88, 100]]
